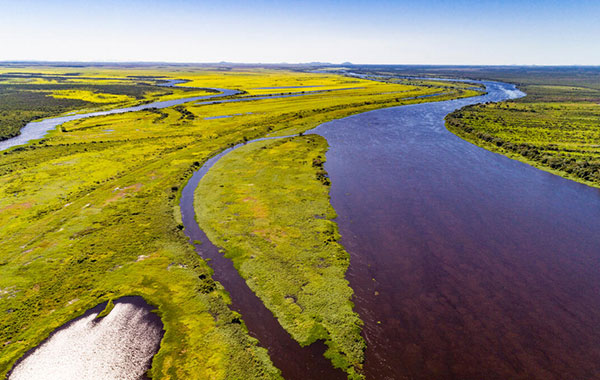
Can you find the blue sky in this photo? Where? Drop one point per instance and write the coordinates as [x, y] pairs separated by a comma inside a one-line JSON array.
[[401, 32]]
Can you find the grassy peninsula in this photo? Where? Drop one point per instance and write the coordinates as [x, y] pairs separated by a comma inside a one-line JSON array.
[[267, 205]]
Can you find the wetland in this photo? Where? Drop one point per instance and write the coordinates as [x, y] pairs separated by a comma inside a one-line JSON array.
[[337, 232]]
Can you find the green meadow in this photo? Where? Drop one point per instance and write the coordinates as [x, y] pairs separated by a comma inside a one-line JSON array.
[[90, 212], [30, 96]]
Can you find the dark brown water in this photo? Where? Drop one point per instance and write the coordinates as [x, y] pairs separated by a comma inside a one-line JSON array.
[[465, 264]]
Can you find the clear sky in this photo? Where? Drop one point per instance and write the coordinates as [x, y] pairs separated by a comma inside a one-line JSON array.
[[400, 32]]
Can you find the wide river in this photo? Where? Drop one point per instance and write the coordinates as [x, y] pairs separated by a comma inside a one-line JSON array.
[[465, 264]]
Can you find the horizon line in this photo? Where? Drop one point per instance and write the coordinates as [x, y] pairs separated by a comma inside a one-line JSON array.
[[312, 63]]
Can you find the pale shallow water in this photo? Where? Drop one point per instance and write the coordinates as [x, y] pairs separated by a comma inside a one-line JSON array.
[[37, 129], [119, 346]]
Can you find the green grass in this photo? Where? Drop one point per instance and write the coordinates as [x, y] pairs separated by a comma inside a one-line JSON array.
[[267, 205], [22, 102], [82, 228], [109, 307], [91, 96], [90, 213]]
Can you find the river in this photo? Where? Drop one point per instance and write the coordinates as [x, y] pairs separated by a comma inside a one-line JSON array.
[[465, 264]]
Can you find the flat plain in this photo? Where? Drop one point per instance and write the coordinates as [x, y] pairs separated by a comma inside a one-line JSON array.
[[89, 213]]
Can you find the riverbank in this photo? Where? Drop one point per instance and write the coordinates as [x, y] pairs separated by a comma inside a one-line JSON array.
[[91, 213], [555, 129]]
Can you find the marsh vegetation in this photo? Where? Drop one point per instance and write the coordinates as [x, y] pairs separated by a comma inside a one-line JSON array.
[[89, 213], [30, 96], [267, 205]]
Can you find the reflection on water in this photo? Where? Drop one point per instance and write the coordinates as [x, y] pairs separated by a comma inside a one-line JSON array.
[[118, 346]]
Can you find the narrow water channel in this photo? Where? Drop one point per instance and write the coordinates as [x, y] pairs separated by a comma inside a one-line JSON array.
[[38, 129], [295, 362]]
